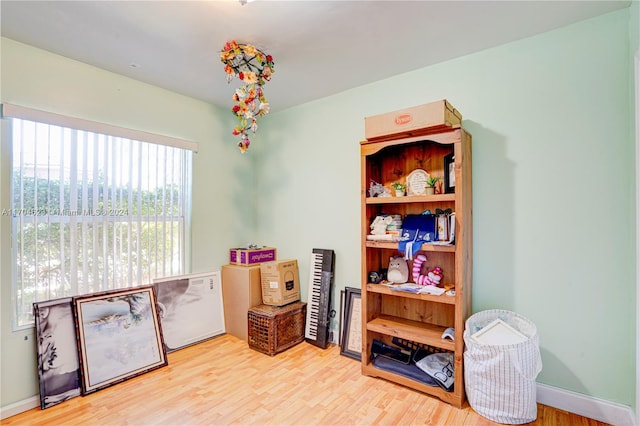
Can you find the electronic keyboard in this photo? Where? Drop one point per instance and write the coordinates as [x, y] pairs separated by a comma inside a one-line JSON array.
[[319, 301]]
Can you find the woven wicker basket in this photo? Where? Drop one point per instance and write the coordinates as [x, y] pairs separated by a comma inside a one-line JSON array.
[[273, 329]]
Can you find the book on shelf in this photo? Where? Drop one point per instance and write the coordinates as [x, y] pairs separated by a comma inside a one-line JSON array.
[[418, 289]]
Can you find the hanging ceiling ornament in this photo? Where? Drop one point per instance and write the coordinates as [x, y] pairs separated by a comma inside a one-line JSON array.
[[253, 68]]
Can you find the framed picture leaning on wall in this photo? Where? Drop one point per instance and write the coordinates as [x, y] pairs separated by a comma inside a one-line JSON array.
[[351, 343], [119, 336], [57, 348]]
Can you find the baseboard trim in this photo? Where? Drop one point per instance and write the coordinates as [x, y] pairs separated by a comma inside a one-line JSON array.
[[583, 405], [19, 407]]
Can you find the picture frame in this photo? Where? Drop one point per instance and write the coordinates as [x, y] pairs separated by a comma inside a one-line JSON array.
[[119, 336], [341, 318], [57, 351], [190, 308], [351, 342], [417, 182], [449, 174]]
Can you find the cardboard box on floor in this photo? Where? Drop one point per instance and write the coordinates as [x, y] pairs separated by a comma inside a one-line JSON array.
[[280, 282], [241, 290]]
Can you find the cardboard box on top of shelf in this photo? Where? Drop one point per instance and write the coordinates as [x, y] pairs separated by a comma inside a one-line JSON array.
[[413, 121]]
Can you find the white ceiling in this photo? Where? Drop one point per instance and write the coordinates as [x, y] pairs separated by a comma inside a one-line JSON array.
[[319, 47]]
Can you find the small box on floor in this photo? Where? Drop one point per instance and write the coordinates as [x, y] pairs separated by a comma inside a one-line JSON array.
[[274, 329], [280, 282]]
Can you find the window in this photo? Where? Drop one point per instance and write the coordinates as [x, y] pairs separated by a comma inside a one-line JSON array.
[[93, 212]]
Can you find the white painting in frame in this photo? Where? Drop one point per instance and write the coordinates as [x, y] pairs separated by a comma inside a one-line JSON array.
[[119, 336]]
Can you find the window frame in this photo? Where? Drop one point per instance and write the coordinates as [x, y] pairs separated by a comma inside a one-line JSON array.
[[38, 116]]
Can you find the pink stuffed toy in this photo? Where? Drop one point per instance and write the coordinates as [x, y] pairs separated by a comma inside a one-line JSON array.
[[433, 277]]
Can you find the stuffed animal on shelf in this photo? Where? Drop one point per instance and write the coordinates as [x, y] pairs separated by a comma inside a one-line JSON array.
[[379, 225], [398, 271], [432, 277], [378, 190]]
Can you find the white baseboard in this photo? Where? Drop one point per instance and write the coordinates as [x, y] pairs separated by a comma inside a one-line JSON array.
[[587, 406], [19, 407]]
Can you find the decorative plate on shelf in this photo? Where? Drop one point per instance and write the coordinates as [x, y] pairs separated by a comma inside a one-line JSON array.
[[417, 182]]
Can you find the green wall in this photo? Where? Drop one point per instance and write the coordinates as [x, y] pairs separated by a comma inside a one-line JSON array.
[[553, 189], [222, 213], [553, 169]]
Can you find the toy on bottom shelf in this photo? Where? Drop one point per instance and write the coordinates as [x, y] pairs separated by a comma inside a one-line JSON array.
[[433, 276]]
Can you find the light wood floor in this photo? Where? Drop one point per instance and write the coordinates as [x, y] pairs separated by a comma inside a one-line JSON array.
[[223, 382]]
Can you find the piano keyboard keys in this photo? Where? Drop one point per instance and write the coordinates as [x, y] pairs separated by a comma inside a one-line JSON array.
[[319, 301]]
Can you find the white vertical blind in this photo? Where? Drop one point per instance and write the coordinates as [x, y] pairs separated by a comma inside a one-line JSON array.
[[92, 212]]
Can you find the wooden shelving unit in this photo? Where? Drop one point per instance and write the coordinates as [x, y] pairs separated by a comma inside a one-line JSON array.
[[420, 318]]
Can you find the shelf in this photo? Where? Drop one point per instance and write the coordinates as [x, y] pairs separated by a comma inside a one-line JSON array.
[[419, 318], [382, 289], [425, 247], [449, 397], [428, 334], [411, 199]]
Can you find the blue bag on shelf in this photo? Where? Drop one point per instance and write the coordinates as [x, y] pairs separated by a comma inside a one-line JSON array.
[[416, 229]]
